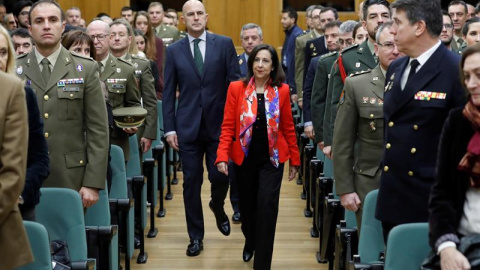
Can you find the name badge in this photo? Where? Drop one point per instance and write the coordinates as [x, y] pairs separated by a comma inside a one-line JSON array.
[[118, 86], [71, 89]]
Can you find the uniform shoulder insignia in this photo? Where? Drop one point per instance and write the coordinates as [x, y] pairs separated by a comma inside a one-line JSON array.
[[125, 61], [303, 33], [21, 56], [74, 54], [360, 72], [139, 57], [349, 48], [328, 54]]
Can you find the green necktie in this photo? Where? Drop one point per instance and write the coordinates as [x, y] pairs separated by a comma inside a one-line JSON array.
[[460, 41], [197, 55], [45, 70]]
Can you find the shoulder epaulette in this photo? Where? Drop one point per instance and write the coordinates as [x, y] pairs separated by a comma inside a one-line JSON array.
[[303, 33], [360, 72], [349, 48], [125, 61], [328, 54], [139, 57], [81, 56], [21, 56]]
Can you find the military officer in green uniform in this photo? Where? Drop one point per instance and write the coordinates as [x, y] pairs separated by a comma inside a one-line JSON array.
[[320, 82], [71, 105], [167, 33], [358, 135], [122, 32], [356, 58], [300, 43], [118, 77]]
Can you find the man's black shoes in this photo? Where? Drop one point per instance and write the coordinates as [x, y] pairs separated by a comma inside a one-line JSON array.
[[194, 247], [247, 254], [236, 219], [223, 224]]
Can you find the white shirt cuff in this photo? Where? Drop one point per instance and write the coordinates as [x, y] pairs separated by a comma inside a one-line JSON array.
[[445, 245], [169, 133], [307, 124]]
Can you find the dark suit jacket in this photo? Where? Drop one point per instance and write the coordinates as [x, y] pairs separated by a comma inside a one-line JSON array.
[[201, 95], [307, 89], [412, 133], [448, 192], [229, 146], [242, 63], [37, 155], [315, 47]]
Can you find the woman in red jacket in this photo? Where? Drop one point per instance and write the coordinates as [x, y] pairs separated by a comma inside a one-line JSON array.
[[258, 135]]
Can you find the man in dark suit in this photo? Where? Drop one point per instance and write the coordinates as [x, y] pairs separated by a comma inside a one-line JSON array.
[[292, 31], [420, 89], [202, 65], [251, 36]]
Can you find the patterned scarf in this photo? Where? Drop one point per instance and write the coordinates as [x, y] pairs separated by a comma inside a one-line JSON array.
[[249, 115], [470, 163]]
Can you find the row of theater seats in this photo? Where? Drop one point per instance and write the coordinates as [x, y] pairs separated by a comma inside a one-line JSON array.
[[340, 245], [96, 238]]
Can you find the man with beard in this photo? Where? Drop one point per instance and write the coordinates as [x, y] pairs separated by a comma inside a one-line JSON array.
[[447, 31], [21, 13], [353, 59]]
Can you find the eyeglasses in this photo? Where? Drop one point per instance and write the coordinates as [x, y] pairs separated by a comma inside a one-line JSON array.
[[99, 37], [388, 45], [24, 13], [348, 41], [448, 26]]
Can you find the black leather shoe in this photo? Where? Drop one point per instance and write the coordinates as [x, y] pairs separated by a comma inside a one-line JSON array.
[[236, 218], [194, 247], [223, 224], [247, 254]]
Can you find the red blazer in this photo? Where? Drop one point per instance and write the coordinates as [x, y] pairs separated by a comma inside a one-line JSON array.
[[229, 146]]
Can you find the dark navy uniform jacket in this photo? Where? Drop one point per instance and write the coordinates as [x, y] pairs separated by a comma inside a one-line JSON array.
[[414, 119]]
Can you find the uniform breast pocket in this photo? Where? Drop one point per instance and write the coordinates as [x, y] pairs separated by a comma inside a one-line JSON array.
[[70, 102], [371, 119], [116, 93], [433, 104]]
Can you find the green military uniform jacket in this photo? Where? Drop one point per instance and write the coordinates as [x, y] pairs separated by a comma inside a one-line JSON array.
[[167, 33], [319, 93], [146, 85], [119, 78], [355, 58], [455, 48], [75, 119], [358, 135], [300, 44]]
